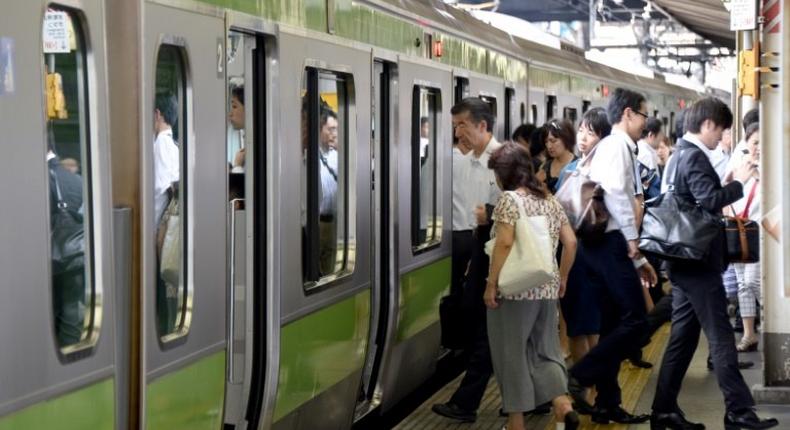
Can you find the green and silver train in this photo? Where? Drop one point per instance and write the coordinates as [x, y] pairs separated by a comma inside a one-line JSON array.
[[255, 299]]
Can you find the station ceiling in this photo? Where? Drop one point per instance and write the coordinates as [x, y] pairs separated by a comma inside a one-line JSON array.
[[708, 18]]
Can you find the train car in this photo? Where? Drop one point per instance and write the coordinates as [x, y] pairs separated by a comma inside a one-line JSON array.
[[236, 213]]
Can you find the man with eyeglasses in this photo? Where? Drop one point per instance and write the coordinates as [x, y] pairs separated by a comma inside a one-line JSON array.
[[616, 264]]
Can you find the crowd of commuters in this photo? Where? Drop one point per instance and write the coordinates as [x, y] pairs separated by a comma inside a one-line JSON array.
[[611, 297]]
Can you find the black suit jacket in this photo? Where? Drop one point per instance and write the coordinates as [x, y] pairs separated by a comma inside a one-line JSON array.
[[697, 181]]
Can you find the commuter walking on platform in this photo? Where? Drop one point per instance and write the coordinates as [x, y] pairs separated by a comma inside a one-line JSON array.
[[522, 327], [615, 264], [474, 187], [698, 294]]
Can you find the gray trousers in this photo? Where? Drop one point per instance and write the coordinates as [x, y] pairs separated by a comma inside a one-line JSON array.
[[525, 351]]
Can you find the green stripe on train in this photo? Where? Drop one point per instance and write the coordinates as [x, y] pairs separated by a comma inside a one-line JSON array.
[[190, 398], [91, 407], [420, 292], [320, 350]]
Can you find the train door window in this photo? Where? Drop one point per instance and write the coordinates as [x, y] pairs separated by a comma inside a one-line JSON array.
[[171, 103], [76, 298], [425, 220], [327, 220], [671, 130], [534, 113], [551, 106], [665, 122], [491, 102], [655, 114], [522, 113], [461, 89], [510, 102], [570, 114], [586, 106], [237, 135]]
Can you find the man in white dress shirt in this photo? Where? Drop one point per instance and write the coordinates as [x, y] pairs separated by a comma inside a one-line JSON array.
[[617, 264], [166, 153]]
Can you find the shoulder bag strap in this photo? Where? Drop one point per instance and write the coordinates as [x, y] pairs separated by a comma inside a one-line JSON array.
[[58, 195], [745, 213]]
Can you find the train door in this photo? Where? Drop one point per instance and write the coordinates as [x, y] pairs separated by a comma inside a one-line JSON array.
[[493, 93], [424, 220], [250, 312], [183, 219], [383, 307], [58, 319], [537, 106]]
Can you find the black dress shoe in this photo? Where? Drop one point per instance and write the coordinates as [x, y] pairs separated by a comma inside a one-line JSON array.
[[453, 411], [642, 364], [580, 403], [672, 421], [618, 415], [747, 419], [543, 409]]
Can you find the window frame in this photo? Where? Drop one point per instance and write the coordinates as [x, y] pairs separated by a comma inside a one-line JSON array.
[[312, 280], [510, 100], [436, 240], [89, 145], [182, 134]]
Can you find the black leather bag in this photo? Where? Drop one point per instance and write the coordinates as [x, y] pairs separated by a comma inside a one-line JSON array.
[[68, 235], [743, 240], [676, 229]]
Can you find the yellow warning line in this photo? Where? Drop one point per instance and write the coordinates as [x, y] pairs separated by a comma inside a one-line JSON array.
[[632, 381]]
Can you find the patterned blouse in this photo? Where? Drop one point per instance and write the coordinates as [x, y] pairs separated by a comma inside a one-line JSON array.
[[506, 212]]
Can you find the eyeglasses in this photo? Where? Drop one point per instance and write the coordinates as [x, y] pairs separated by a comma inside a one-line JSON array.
[[640, 113]]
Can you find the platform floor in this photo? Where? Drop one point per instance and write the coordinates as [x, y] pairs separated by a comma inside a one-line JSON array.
[[700, 397]]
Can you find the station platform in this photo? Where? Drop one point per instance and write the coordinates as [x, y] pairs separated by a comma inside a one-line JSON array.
[[701, 399]]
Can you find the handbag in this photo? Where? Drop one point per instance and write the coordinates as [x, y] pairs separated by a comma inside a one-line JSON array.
[[169, 240], [582, 200], [67, 234], [675, 229], [530, 263], [743, 234]]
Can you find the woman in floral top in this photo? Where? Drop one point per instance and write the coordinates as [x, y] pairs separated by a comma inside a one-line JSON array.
[[522, 329]]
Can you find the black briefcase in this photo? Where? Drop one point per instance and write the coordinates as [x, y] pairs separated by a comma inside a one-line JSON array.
[[743, 240]]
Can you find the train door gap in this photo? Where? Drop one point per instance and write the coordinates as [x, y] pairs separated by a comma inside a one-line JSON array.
[[382, 241]]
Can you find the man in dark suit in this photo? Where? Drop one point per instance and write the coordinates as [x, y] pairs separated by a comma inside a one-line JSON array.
[[698, 294]]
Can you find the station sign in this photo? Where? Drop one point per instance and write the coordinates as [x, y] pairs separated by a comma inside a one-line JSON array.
[[743, 15]]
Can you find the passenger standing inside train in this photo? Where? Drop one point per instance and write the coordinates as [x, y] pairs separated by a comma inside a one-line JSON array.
[[327, 156], [474, 187], [616, 264], [698, 293], [236, 117], [560, 140], [582, 315], [648, 158], [166, 154], [522, 328], [748, 274]]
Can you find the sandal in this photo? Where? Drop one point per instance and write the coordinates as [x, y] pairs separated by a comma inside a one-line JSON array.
[[747, 345]]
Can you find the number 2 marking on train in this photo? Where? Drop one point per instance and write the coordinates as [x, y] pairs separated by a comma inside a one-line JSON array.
[[220, 57]]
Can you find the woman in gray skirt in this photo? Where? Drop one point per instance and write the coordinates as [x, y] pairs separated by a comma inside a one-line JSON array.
[[522, 329]]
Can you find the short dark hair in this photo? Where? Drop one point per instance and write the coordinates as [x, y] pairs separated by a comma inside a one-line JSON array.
[[537, 142], [753, 128], [478, 111], [653, 125], [680, 126], [238, 93], [423, 120], [167, 105], [523, 132], [751, 117], [596, 120], [512, 165], [622, 99], [709, 108], [326, 113], [561, 129]]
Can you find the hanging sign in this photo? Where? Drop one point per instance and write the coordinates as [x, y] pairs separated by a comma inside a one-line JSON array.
[[743, 15], [56, 32]]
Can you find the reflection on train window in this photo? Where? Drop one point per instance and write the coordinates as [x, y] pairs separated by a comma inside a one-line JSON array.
[[327, 252], [173, 299], [426, 223], [570, 114], [461, 89], [551, 107], [586, 106], [510, 102], [236, 130], [76, 300], [534, 111]]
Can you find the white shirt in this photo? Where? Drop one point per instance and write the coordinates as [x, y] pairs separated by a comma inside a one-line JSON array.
[[613, 168], [473, 184], [736, 156], [755, 212], [720, 160], [328, 177], [166, 169], [647, 155]]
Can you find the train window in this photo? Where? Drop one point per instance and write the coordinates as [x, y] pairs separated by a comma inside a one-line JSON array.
[[522, 113], [655, 114], [461, 89], [76, 299], [551, 106], [571, 114], [665, 121], [586, 106], [510, 102], [425, 220], [491, 102], [325, 124], [534, 111], [170, 187]]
